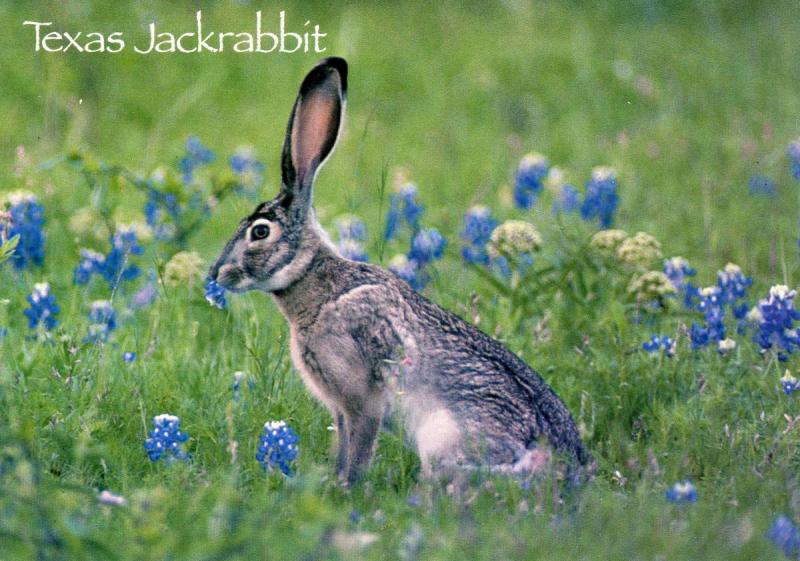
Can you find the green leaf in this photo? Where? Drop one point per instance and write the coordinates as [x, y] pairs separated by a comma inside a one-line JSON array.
[[8, 247]]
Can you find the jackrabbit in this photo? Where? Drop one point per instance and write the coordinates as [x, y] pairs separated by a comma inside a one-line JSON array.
[[366, 344]]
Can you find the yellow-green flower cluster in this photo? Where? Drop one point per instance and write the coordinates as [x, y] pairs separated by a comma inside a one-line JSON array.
[[185, 268], [512, 238], [607, 241], [651, 285], [640, 251]]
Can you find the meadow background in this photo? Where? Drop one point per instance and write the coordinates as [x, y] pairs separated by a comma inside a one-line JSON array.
[[686, 100]]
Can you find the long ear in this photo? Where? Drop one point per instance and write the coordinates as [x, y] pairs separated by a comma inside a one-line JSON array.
[[313, 128]]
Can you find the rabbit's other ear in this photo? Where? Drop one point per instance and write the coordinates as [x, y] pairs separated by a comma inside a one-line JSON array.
[[313, 128]]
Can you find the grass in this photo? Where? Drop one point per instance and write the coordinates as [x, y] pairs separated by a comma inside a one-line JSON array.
[[457, 94]]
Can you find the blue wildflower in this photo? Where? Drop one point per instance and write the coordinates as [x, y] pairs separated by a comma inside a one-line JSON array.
[[794, 158], [657, 343], [528, 180], [601, 200], [278, 447], [43, 308], [785, 535], [236, 387], [711, 304], [409, 270], [196, 156], [103, 320], [775, 317], [249, 171], [427, 245], [114, 267], [682, 492], [215, 293], [478, 228], [403, 207], [129, 356], [789, 384], [677, 269], [733, 287], [166, 438], [353, 250], [352, 233], [762, 185], [25, 218], [91, 263], [123, 245], [699, 336], [351, 228], [569, 199]]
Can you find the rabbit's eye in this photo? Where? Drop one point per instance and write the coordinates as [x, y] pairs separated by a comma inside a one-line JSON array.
[[259, 232]]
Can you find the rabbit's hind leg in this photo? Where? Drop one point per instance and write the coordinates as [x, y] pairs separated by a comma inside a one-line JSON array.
[[438, 439]]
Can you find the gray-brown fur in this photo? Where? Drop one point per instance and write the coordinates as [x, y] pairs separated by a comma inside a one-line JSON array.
[[366, 344]]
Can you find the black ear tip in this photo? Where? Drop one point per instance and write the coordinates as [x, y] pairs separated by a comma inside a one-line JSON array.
[[323, 69]]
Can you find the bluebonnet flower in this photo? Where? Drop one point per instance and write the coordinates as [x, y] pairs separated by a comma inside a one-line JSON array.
[[658, 343], [601, 200], [426, 246], [528, 180], [677, 269], [91, 262], [353, 250], [409, 270], [351, 228], [794, 158], [403, 207], [249, 171], [114, 267], [196, 155], [789, 383], [775, 317], [478, 228], [43, 308], [682, 492], [699, 336], [236, 387], [166, 438], [352, 233], [733, 287], [569, 199], [162, 211], [762, 185], [278, 447], [103, 320], [25, 219], [129, 356], [785, 535], [711, 305], [215, 294]]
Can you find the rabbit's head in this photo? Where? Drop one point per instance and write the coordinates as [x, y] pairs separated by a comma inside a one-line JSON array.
[[273, 246]]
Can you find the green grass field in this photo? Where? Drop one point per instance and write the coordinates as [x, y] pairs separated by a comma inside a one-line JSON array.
[[686, 100]]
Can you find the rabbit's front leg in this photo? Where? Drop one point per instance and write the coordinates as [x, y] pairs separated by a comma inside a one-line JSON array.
[[363, 432], [343, 445]]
